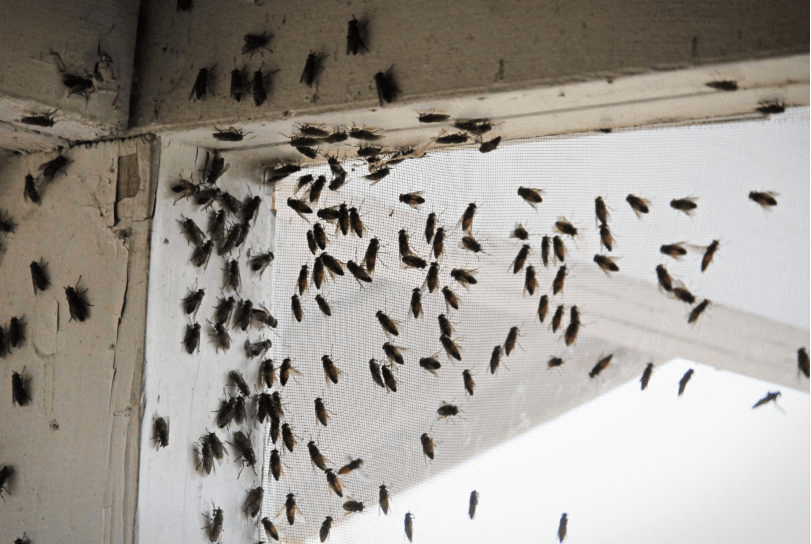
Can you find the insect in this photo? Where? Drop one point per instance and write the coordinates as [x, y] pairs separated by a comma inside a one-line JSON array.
[[238, 83], [202, 253], [315, 456], [265, 407], [464, 277], [639, 205], [160, 432], [563, 226], [319, 236], [696, 312], [802, 361], [53, 167], [259, 88], [521, 233], [323, 305], [545, 250], [601, 365], [215, 525], [349, 467], [243, 315], [236, 379], [6, 472], [471, 244], [439, 242], [683, 294], [665, 281], [383, 499], [388, 378], [225, 413], [413, 199], [254, 42], [490, 145], [414, 261], [606, 263], [288, 437], [331, 372], [543, 307], [559, 248], [467, 217], [676, 251], [231, 278], [191, 302], [430, 364], [318, 272], [684, 380], [22, 540], [495, 359], [554, 362], [45, 120], [290, 508], [253, 502], [332, 264], [574, 326], [323, 533], [416, 302], [19, 393], [447, 410], [474, 502], [201, 84], [353, 506], [557, 318], [600, 210], [295, 306], [530, 195], [321, 414], [359, 273], [285, 370], [270, 529], [301, 283], [387, 89], [474, 126], [191, 231], [686, 205], [455, 138], [432, 278], [16, 332], [766, 199], [370, 258], [229, 135], [530, 281], [77, 302], [299, 206], [562, 526], [708, 254], [646, 376], [275, 429], [467, 379], [311, 70], [771, 107], [222, 340], [771, 396], [445, 325], [723, 85], [216, 225], [374, 368], [432, 117], [409, 524], [191, 338], [7, 224], [606, 238], [259, 262], [393, 353], [336, 137], [557, 283], [450, 298], [30, 189], [275, 465], [427, 445]]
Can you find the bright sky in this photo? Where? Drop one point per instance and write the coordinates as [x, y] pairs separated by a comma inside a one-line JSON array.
[[629, 467]]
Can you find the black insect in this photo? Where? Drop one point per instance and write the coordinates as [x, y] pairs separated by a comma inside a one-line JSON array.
[[239, 84], [606, 238], [160, 432], [388, 378], [336, 137], [349, 467], [454, 138], [723, 85], [433, 117], [770, 397], [416, 302], [490, 145], [676, 251], [554, 362], [383, 499], [559, 248], [202, 253], [191, 302], [802, 361], [312, 68], [684, 380], [639, 205], [331, 372], [467, 378], [270, 529], [236, 379], [222, 340], [355, 222], [530, 281], [16, 332], [696, 312], [600, 210], [275, 465], [471, 244], [646, 376], [393, 353], [191, 338], [474, 501], [244, 447], [445, 326], [318, 272], [450, 298], [343, 218], [254, 42], [570, 335], [6, 472], [543, 307], [430, 364], [191, 231], [30, 191], [601, 365], [323, 533], [77, 302], [771, 107], [230, 134], [474, 126], [414, 261], [766, 199], [299, 206], [46, 120], [563, 226], [467, 217], [495, 359], [275, 429], [215, 523], [290, 508], [323, 305], [447, 410], [427, 445], [22, 540], [259, 87], [353, 506], [295, 307], [606, 264], [439, 242], [409, 523], [201, 84], [253, 502], [545, 250], [53, 167], [686, 205], [560, 277], [355, 44], [557, 318], [562, 527], [259, 262], [683, 294], [374, 368], [359, 273], [708, 254], [530, 195], [19, 392], [432, 278], [333, 265], [242, 316], [413, 199], [387, 89], [311, 242]]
